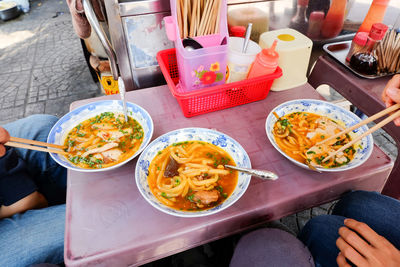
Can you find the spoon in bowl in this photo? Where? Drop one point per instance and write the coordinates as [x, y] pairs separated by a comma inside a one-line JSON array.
[[121, 87], [265, 175]]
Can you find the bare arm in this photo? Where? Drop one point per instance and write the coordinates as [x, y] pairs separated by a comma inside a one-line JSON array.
[[391, 94], [33, 201]]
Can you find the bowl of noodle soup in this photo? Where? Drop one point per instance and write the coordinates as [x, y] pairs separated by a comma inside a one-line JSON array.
[[97, 137], [304, 123], [200, 153]]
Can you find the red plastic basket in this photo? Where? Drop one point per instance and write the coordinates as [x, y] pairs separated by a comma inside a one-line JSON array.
[[217, 97]]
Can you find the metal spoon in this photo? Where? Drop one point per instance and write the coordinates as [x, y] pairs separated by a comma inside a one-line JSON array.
[[265, 175], [191, 44], [247, 37], [121, 87]]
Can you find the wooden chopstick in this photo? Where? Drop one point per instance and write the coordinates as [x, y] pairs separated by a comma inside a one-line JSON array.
[[33, 142], [217, 22], [38, 148], [185, 17], [179, 17], [373, 129], [358, 125]]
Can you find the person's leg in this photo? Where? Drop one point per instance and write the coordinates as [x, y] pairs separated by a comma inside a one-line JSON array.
[[320, 235], [381, 213], [270, 247], [36, 236], [50, 176]]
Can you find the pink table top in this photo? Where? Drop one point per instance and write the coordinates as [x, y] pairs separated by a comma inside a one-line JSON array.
[[109, 223]]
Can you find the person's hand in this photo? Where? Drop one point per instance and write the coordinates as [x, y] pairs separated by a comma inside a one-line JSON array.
[[391, 94], [4, 137], [362, 246]]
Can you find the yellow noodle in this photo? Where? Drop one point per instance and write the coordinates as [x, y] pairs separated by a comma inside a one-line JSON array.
[[217, 171], [198, 166], [206, 182], [295, 142], [193, 172]]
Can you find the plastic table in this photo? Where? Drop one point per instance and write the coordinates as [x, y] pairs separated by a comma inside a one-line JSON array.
[[365, 94], [108, 222]]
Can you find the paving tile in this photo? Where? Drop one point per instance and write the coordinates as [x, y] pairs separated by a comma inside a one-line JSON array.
[[385, 142], [17, 57], [303, 217], [13, 85], [55, 107], [11, 114], [34, 108]]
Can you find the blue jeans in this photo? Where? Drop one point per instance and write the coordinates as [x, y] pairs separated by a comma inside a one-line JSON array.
[[379, 212], [36, 236]]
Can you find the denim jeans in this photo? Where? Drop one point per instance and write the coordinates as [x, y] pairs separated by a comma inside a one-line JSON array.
[[379, 212], [36, 236]]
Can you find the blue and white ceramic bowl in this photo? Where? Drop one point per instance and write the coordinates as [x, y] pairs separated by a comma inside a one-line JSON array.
[[364, 148], [64, 125], [225, 142]]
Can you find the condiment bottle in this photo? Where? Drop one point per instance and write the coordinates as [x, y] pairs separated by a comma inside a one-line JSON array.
[[265, 63], [315, 23], [365, 61], [237, 31], [299, 20], [359, 41], [333, 22], [378, 31], [375, 14]]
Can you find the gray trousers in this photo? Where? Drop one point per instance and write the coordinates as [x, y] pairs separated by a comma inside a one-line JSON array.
[[271, 247]]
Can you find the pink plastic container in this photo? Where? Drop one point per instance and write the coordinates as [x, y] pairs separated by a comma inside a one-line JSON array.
[[202, 67]]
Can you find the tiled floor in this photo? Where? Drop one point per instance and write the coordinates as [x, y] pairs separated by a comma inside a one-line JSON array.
[[42, 67]]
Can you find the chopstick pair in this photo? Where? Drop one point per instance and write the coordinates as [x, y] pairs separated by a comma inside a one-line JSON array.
[[373, 129], [39, 146]]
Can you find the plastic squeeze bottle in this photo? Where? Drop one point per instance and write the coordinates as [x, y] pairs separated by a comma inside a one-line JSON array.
[[375, 14], [265, 63]]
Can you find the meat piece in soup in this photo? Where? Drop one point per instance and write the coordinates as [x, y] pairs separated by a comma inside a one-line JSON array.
[[103, 141], [196, 179]]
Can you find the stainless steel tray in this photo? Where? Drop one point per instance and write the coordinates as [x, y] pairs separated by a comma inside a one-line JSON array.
[[339, 52]]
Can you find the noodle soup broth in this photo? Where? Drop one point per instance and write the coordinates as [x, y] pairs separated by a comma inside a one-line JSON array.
[[104, 140], [298, 134], [200, 152], [190, 176], [331, 114]]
